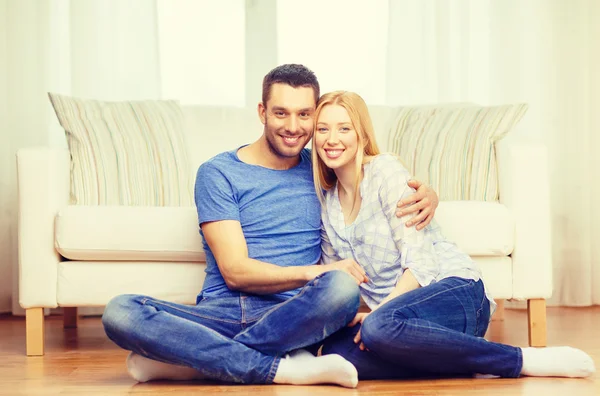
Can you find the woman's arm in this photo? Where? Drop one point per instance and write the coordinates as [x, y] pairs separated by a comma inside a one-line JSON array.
[[406, 283], [416, 250], [328, 254]]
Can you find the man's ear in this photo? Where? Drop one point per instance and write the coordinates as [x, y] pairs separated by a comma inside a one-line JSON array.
[[262, 113]]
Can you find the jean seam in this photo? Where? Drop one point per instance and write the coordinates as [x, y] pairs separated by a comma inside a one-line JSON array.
[[190, 313], [519, 368], [437, 294], [302, 292], [273, 369]]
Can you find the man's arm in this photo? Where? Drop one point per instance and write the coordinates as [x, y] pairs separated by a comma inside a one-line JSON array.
[[424, 201], [228, 244]]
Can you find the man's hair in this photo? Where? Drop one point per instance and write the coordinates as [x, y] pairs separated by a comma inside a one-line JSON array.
[[293, 75]]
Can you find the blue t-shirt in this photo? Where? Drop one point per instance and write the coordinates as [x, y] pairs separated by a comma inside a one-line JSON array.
[[278, 210]]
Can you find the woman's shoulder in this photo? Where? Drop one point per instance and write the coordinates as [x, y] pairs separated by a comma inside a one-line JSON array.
[[387, 165]]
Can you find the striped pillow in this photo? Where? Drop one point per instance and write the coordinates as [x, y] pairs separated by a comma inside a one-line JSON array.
[[125, 153], [452, 147]]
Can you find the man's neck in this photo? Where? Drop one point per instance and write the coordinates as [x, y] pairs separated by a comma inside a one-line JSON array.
[[260, 153]]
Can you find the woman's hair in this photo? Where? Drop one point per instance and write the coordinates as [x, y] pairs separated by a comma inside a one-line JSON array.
[[324, 177]]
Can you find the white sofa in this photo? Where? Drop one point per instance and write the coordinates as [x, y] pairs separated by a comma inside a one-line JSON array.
[[77, 256]]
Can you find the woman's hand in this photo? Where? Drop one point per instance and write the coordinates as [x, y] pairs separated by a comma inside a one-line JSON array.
[[425, 201], [359, 318]]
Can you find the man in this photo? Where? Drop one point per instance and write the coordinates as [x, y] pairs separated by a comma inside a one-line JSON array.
[[265, 293]]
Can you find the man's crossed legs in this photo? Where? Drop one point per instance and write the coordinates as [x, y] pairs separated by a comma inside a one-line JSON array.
[[242, 339]]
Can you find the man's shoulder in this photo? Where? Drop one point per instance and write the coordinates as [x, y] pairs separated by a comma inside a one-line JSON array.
[[306, 156], [219, 162]]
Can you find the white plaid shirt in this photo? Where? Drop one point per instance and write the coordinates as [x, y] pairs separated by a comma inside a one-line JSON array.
[[381, 243]]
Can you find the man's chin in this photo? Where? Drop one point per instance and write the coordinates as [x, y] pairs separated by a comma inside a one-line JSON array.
[[290, 152]]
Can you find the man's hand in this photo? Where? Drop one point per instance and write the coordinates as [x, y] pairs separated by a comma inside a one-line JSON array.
[[359, 318], [347, 265], [425, 201]]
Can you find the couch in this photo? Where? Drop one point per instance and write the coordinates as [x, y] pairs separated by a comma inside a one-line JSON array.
[[81, 256]]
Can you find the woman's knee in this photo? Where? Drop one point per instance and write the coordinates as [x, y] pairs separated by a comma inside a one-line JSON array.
[[378, 329]]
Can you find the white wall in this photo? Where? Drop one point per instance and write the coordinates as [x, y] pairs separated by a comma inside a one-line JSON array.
[[5, 166]]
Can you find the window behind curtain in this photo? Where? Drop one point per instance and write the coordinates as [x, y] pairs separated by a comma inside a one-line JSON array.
[[343, 41], [201, 50]]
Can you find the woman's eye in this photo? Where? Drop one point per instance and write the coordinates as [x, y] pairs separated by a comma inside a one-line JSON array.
[[321, 130], [344, 129]]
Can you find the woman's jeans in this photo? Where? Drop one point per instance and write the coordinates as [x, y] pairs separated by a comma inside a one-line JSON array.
[[237, 338], [434, 331]]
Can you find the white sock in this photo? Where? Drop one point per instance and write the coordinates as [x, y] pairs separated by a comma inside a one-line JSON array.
[[301, 353], [557, 362], [485, 376], [143, 369], [304, 370]]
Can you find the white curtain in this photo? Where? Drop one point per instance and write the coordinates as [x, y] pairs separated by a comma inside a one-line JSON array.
[[543, 52], [96, 49]]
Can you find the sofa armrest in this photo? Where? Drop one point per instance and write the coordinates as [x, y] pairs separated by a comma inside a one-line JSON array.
[[525, 190], [43, 178]]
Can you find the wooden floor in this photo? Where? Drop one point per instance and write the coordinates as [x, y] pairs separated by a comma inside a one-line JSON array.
[[83, 361]]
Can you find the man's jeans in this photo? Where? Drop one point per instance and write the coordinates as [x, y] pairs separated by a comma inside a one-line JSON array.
[[434, 331], [233, 339]]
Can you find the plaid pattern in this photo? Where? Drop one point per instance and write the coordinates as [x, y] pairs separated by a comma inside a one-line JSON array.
[[381, 243]]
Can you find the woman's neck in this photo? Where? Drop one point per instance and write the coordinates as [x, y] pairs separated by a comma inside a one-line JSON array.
[[347, 181]]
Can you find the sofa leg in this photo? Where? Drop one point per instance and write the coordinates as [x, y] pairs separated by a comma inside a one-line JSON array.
[[536, 318], [70, 317], [499, 314], [34, 331]]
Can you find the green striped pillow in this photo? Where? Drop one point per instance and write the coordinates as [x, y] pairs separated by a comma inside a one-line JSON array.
[[452, 147], [125, 153]]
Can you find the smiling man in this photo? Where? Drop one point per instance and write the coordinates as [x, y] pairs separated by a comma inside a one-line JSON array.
[[265, 296]]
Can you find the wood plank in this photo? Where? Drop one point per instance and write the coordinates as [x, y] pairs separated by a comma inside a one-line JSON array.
[[83, 361], [35, 331], [536, 320], [70, 317]]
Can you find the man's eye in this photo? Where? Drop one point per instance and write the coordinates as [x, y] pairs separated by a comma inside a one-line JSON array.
[[304, 115], [279, 113]]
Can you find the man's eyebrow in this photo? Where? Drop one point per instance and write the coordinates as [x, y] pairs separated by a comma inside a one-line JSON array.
[[304, 110]]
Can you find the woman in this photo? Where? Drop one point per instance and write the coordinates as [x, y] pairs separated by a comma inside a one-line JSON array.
[[430, 307]]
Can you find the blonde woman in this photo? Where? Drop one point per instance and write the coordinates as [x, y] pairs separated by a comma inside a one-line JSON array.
[[430, 307]]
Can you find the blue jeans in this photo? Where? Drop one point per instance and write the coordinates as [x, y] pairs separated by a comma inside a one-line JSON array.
[[233, 339], [433, 331]]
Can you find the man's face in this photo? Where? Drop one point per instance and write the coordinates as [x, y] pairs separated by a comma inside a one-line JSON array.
[[288, 119]]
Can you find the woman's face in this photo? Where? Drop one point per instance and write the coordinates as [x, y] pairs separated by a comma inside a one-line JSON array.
[[336, 140]]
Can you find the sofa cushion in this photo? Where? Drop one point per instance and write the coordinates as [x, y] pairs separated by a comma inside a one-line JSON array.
[[452, 148], [119, 233], [126, 153], [478, 228], [114, 233]]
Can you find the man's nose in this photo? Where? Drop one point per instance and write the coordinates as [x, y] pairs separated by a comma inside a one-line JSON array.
[[292, 125]]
